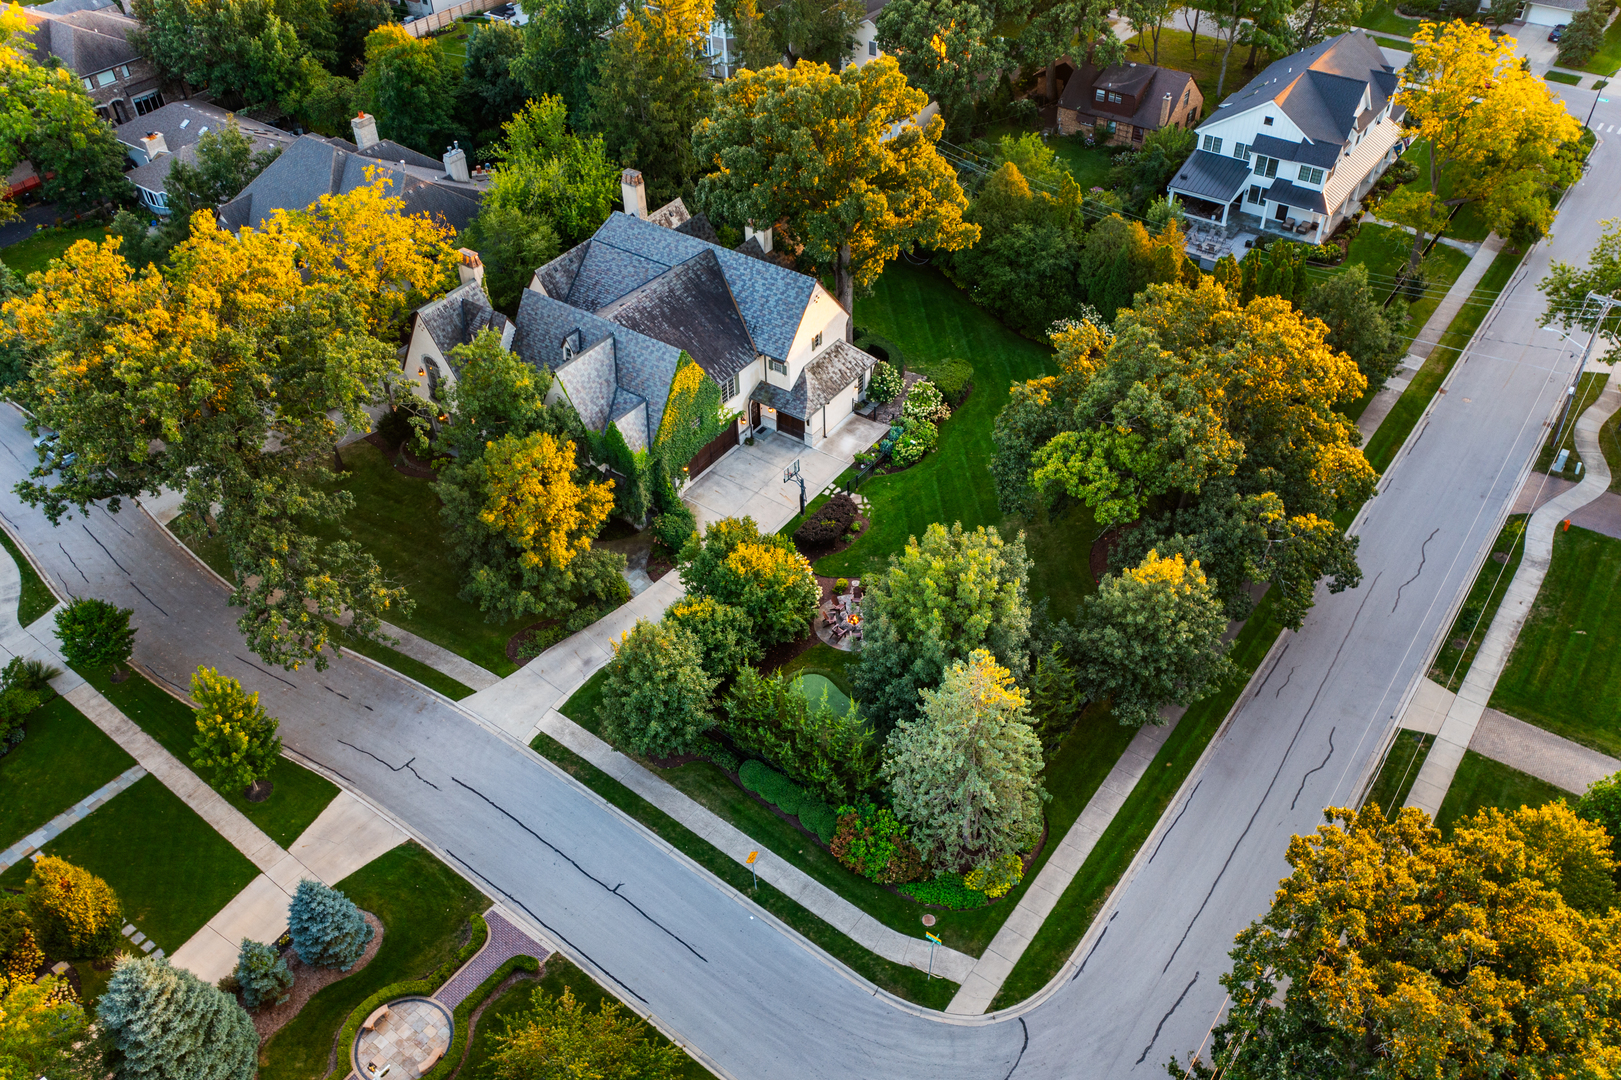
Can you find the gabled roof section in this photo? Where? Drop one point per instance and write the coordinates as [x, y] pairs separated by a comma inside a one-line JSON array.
[[391, 151], [457, 317], [626, 253], [1322, 154], [835, 368], [1320, 88], [1211, 176], [85, 41], [691, 307]]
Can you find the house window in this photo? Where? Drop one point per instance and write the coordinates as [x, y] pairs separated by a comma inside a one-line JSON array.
[[1137, 134], [1255, 195], [124, 71], [1114, 98], [1212, 144], [106, 78], [816, 342], [1267, 120], [1311, 175], [1100, 95], [1186, 94], [1266, 166], [89, 83], [728, 389], [1241, 151], [779, 366], [872, 47], [147, 103]]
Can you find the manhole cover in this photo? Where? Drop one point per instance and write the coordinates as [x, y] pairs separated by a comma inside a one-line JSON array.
[[928, 920], [1500, 556]]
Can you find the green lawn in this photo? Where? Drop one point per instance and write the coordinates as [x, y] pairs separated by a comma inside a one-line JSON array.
[[1400, 769], [1398, 44], [1607, 61], [454, 40], [37, 597], [1480, 606], [1089, 165], [1382, 447], [423, 905], [1176, 51], [1467, 224], [1091, 886], [34, 254], [1563, 77], [898, 979], [63, 757], [1383, 18], [559, 973], [1565, 672], [299, 795], [169, 867], [1609, 440], [1384, 251], [1562, 436], [1481, 782]]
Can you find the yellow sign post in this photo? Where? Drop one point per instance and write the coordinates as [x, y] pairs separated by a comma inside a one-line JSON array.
[[750, 860], [933, 941]]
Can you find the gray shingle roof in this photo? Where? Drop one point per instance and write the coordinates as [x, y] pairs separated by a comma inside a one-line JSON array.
[[791, 402], [68, 7], [183, 124], [85, 41], [1147, 83], [1320, 88], [457, 317], [1321, 154], [313, 166], [837, 367], [391, 151], [1304, 198], [690, 307], [1212, 176]]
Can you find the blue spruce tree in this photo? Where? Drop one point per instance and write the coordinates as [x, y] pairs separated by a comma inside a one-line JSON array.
[[262, 974], [164, 1023], [328, 930]]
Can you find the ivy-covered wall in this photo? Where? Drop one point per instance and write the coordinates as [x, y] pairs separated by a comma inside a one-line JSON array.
[[691, 416]]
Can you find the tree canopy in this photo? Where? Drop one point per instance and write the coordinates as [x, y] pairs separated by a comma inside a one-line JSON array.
[[1567, 286], [218, 378], [410, 85], [1389, 952], [946, 48], [809, 150], [558, 1038]]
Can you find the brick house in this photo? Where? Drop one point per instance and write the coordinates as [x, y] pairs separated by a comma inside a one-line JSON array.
[[93, 42], [1124, 102]]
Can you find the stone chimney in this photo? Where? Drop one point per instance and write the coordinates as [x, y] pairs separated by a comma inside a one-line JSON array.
[[470, 267], [634, 192], [764, 236], [1165, 110], [153, 144], [365, 128], [456, 163]]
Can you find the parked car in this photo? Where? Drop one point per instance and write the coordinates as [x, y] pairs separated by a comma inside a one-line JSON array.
[[1557, 32]]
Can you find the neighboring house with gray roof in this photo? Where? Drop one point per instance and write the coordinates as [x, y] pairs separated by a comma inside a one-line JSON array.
[[93, 42], [315, 165], [613, 317], [456, 318], [1300, 144], [171, 133]]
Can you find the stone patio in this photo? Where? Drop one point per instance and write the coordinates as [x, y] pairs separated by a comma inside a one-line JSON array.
[[415, 1030]]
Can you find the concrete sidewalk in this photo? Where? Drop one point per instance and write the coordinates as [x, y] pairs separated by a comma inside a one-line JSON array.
[[1457, 731]]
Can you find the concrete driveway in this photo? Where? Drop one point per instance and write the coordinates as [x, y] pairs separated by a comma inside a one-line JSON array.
[[747, 481]]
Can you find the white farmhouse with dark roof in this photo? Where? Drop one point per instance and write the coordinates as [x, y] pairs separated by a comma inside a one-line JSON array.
[[1300, 144]]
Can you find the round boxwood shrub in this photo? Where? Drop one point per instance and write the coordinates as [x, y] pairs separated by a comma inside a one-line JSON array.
[[819, 818], [772, 786], [918, 439]]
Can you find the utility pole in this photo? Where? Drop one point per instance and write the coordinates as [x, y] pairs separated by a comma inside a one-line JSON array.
[[1605, 304]]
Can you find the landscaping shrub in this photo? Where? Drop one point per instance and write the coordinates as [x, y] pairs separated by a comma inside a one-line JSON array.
[[873, 843], [95, 634], [15, 705], [884, 383], [1329, 254], [674, 527], [819, 818], [947, 891], [950, 376], [261, 975], [828, 522], [657, 696], [327, 928], [20, 674], [395, 427], [772, 786], [918, 439], [73, 912], [712, 751], [764, 575], [925, 402], [818, 748], [723, 633], [996, 877]]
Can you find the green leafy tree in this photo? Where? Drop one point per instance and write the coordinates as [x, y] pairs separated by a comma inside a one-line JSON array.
[[1567, 286], [74, 913], [724, 634], [163, 1023], [42, 1029], [245, 48], [323, 101], [550, 173], [1055, 696], [352, 20], [1148, 17], [1601, 804], [1036, 411], [410, 84], [224, 163], [76, 151], [946, 48], [756, 45], [763, 576], [1150, 636], [511, 244], [830, 751], [963, 772], [1358, 325], [653, 87], [938, 600], [488, 77], [810, 150], [1058, 28], [1389, 952], [559, 1039], [1142, 173], [562, 48], [236, 743], [327, 928], [95, 634], [262, 974], [821, 31], [656, 696]]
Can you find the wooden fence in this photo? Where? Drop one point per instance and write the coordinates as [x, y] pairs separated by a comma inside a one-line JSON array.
[[439, 20]]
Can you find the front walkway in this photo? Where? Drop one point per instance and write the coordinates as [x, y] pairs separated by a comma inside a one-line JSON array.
[[1457, 731]]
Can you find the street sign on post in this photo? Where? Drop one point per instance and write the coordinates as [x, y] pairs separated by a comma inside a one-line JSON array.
[[750, 860], [933, 941]]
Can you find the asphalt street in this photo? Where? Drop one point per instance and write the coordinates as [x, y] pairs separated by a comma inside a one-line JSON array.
[[755, 999]]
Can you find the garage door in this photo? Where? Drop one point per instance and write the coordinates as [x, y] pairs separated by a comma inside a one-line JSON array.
[[842, 405], [1538, 15]]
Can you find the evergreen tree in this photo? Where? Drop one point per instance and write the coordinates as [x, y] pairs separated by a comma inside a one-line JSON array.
[[1358, 324], [163, 1023], [1228, 275], [327, 929], [262, 974]]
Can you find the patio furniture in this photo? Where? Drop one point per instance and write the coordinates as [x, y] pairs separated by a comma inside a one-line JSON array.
[[428, 1062], [375, 1018]]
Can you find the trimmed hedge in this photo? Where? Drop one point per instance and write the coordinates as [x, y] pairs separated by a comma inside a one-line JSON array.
[[416, 987], [464, 1012], [950, 376], [819, 818], [772, 786]]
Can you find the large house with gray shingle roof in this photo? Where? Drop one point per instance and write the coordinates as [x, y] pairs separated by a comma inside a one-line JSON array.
[[1300, 144]]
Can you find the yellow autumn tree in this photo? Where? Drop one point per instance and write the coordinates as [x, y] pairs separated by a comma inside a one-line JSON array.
[[73, 912], [764, 576], [536, 502], [39, 1025], [1392, 953], [1493, 133], [236, 743], [228, 377]]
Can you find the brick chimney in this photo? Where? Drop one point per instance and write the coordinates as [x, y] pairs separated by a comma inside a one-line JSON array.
[[764, 236], [634, 193], [456, 163], [153, 144], [1165, 110], [365, 128], [470, 267]]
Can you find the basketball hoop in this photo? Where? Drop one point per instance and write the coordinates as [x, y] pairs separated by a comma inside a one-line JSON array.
[[790, 473]]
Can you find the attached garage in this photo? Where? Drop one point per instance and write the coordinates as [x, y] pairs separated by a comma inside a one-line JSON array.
[[835, 411], [833, 381], [1552, 12]]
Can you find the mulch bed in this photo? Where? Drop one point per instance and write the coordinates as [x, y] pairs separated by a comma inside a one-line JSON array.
[[306, 981], [778, 655], [821, 551], [1103, 545], [517, 641]]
